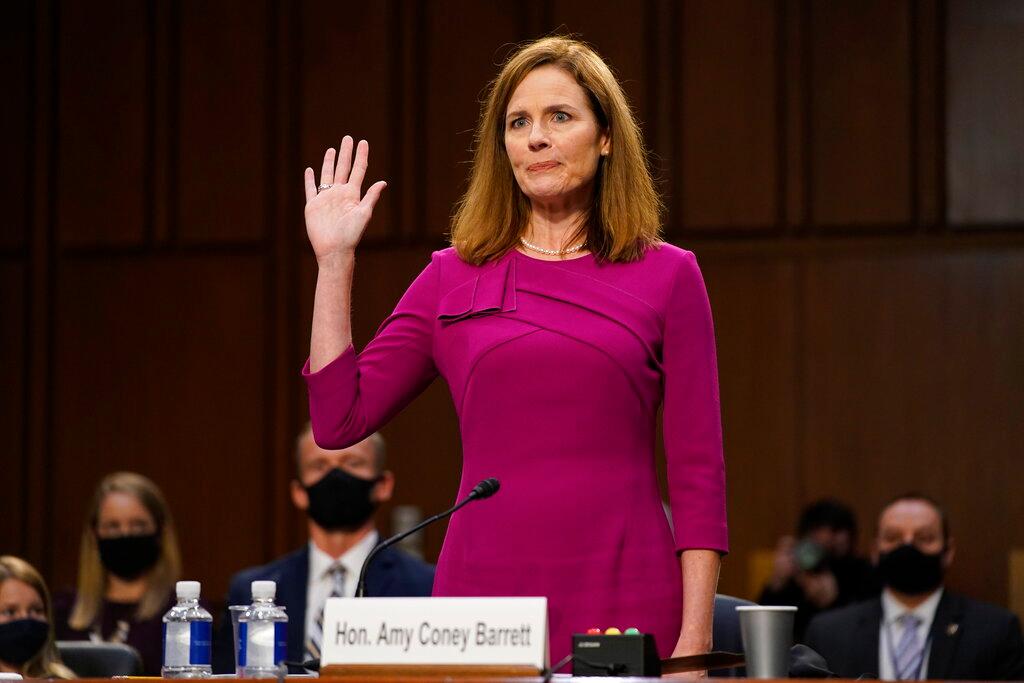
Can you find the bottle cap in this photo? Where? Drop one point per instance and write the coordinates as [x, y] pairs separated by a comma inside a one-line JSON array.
[[187, 590], [263, 590]]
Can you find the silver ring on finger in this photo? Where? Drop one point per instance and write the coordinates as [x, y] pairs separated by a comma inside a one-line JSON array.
[[323, 187]]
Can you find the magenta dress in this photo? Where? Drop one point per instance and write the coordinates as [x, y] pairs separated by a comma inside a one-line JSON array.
[[557, 370]]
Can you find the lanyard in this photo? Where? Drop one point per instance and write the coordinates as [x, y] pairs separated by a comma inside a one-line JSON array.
[[892, 656]]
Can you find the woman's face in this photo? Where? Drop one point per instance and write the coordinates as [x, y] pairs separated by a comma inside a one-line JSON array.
[[122, 514], [18, 600], [553, 139]]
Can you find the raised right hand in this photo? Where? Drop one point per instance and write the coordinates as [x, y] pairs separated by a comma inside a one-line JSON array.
[[336, 217]]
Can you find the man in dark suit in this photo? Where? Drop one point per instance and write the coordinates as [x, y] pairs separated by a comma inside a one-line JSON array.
[[339, 491], [917, 629]]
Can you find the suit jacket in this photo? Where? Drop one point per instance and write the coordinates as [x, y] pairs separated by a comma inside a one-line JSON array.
[[393, 573], [969, 640]]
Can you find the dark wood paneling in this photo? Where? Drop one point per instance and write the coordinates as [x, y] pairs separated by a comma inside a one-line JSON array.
[[160, 364], [455, 74], [794, 111], [12, 414], [623, 38], [985, 107], [728, 145], [914, 381], [926, 114], [347, 67], [860, 123], [754, 303], [39, 263], [103, 174], [15, 120], [222, 144]]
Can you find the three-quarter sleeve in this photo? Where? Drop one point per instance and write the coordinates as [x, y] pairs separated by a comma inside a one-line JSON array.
[[692, 415], [355, 394]]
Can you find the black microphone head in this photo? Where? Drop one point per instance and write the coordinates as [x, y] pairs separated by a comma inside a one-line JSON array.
[[486, 488]]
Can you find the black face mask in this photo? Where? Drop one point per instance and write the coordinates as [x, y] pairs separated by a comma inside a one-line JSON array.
[[129, 557], [908, 570], [22, 639], [341, 500]]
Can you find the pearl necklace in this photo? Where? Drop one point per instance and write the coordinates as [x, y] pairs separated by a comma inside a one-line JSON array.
[[552, 252]]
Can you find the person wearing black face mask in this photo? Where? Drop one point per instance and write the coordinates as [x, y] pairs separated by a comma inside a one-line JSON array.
[[26, 638], [918, 629], [129, 562], [339, 491]]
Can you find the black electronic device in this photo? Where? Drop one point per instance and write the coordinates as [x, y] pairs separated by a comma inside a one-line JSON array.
[[618, 655]]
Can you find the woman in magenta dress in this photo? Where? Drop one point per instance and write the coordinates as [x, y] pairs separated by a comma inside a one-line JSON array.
[[561, 323]]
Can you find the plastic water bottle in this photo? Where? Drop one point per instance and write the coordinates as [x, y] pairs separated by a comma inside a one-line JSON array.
[[187, 631], [263, 634]]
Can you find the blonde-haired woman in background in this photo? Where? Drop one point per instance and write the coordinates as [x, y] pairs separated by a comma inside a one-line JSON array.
[[128, 564], [561, 323], [26, 623]]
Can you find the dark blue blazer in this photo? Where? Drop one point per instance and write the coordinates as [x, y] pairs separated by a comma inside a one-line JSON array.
[[393, 573], [971, 640]]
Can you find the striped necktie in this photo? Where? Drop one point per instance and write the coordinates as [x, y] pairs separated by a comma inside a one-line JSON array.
[[910, 649], [315, 638]]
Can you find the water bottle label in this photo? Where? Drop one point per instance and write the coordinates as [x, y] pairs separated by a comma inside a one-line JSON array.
[[243, 638], [200, 647], [262, 644], [187, 643], [176, 643], [280, 642]]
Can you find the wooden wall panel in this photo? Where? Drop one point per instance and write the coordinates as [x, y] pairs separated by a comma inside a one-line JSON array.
[[729, 141], [163, 373], [753, 300], [623, 38], [860, 121], [346, 72], [222, 144], [455, 73], [914, 381], [985, 107], [104, 168], [15, 121], [12, 415]]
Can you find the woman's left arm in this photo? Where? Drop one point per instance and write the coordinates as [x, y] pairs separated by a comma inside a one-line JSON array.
[[700, 581], [693, 448]]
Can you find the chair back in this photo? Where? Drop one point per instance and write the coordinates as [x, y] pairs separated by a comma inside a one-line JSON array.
[[100, 660], [725, 633]]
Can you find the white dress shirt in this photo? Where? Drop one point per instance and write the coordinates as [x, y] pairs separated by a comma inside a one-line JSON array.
[[319, 583], [892, 610]]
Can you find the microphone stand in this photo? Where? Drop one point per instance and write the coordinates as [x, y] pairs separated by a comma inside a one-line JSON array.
[[479, 491]]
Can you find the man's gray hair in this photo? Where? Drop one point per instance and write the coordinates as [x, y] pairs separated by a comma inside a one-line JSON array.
[[376, 440]]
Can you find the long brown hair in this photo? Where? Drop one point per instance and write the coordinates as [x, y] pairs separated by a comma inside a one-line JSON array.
[[92, 576], [46, 663], [625, 217]]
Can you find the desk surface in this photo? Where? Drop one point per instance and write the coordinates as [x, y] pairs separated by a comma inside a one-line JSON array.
[[450, 679]]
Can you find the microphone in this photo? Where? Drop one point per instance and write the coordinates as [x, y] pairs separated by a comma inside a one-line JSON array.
[[485, 489]]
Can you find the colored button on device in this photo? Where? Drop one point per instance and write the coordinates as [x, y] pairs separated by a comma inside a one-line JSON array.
[[593, 631], [613, 632], [632, 631]]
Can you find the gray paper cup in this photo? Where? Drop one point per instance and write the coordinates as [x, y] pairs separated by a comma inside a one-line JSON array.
[[767, 636]]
